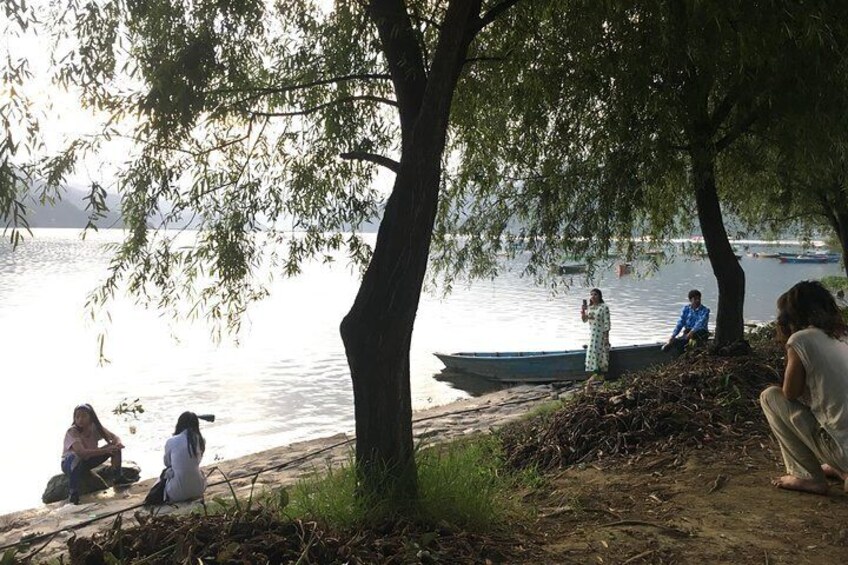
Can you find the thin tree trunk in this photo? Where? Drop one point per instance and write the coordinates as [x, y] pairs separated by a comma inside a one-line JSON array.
[[729, 327], [841, 226]]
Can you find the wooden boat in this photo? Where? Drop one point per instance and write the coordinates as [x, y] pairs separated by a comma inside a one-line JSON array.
[[810, 257], [551, 366], [806, 259], [573, 269]]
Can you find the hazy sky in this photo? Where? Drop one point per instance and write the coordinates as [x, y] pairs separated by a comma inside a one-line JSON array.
[[63, 117]]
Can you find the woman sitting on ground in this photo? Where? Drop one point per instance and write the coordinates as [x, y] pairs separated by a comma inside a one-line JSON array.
[[809, 414], [183, 452], [81, 453]]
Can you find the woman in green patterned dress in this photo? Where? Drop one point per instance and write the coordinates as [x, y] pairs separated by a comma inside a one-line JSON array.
[[598, 315]]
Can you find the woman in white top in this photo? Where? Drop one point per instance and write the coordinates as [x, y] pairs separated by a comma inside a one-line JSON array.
[[183, 452], [809, 413]]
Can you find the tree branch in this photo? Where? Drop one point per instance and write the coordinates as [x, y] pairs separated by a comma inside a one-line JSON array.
[[177, 149], [319, 107], [723, 108], [403, 54], [739, 128], [484, 59], [419, 18], [494, 13], [302, 86], [381, 160]]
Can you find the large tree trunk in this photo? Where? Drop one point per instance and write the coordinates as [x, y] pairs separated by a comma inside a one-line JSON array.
[[729, 327], [701, 126], [378, 329], [834, 209]]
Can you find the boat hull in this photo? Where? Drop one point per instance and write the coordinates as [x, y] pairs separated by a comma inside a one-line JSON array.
[[552, 366], [805, 260]]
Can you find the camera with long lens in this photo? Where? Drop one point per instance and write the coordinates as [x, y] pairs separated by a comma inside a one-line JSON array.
[[206, 417]]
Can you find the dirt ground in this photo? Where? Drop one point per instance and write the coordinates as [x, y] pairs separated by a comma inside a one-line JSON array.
[[709, 505]]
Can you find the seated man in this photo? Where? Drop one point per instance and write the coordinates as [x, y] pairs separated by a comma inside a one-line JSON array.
[[693, 321]]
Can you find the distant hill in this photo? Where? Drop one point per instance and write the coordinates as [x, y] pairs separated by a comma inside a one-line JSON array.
[[70, 212]]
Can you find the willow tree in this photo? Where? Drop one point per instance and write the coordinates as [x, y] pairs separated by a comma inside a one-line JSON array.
[[623, 122], [262, 119], [799, 166]]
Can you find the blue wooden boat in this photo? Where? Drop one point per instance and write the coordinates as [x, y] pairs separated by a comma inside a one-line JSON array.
[[806, 259], [551, 366], [810, 257]]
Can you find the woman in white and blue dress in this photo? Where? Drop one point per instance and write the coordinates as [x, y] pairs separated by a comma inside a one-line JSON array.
[[183, 452], [598, 315]]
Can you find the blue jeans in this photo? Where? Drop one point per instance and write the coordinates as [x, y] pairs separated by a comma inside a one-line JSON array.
[[84, 466]]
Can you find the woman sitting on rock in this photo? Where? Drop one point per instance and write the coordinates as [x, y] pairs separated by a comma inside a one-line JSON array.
[[81, 453], [183, 452], [809, 414]]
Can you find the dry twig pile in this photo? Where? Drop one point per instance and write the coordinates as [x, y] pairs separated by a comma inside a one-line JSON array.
[[695, 400], [261, 535]]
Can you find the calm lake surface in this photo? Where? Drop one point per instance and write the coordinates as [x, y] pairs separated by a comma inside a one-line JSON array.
[[288, 379]]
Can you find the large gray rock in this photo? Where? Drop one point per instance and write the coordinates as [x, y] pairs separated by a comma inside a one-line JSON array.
[[100, 478]]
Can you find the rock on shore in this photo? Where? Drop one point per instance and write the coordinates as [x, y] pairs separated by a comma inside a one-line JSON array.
[[100, 478]]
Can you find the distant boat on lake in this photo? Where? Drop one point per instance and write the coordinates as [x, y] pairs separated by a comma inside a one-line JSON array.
[[572, 269], [552, 366], [811, 259]]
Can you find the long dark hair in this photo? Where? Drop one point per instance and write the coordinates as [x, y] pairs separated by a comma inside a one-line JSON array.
[[188, 422], [600, 295], [809, 303], [91, 414]]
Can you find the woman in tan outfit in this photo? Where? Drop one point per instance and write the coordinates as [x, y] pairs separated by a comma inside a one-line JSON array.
[[809, 413]]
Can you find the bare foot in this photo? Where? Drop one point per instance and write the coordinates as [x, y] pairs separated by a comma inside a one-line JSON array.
[[804, 485], [833, 473]]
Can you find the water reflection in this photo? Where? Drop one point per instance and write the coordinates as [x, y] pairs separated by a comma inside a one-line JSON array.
[[471, 384]]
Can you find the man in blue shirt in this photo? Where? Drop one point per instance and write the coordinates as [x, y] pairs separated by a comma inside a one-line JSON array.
[[694, 320]]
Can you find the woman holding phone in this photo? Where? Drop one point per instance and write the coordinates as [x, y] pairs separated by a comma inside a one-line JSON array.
[[597, 314]]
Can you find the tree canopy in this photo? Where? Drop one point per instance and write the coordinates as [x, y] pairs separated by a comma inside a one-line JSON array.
[[629, 118]]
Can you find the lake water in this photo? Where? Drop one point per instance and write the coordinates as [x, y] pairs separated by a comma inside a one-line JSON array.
[[288, 379]]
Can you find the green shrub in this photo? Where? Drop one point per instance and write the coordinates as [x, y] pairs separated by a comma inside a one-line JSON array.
[[835, 284]]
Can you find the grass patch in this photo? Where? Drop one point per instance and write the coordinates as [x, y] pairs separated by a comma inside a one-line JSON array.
[[835, 283], [543, 410], [465, 483], [330, 498], [460, 483]]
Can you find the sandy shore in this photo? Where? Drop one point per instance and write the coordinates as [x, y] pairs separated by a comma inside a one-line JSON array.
[[435, 424]]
